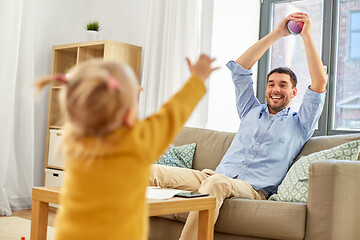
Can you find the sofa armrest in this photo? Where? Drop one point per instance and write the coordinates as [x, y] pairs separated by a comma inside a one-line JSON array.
[[333, 209]]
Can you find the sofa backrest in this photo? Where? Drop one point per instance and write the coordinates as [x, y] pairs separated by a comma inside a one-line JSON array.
[[212, 145], [316, 144]]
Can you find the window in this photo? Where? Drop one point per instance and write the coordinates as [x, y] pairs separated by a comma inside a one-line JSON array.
[[354, 45], [336, 33], [347, 97]]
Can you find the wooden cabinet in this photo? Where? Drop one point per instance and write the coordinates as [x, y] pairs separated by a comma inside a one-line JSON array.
[[65, 57]]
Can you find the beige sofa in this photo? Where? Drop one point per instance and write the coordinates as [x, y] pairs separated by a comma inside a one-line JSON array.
[[332, 211]]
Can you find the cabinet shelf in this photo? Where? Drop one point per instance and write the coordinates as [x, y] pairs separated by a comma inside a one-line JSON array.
[[57, 87], [55, 127]]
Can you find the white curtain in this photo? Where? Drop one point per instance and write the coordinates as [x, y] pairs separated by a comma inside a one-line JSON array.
[[16, 104], [176, 30]]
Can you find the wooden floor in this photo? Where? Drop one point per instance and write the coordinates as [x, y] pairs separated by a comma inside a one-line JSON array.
[[27, 215]]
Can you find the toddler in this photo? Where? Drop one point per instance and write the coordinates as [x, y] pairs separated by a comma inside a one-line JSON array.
[[108, 151]]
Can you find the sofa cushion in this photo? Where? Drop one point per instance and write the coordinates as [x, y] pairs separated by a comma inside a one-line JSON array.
[[211, 145], [261, 218], [294, 187], [258, 218], [178, 156]]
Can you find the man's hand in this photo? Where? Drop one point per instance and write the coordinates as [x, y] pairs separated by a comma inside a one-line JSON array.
[[281, 28], [303, 17], [202, 67]]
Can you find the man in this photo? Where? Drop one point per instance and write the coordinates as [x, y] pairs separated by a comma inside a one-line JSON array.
[[270, 135]]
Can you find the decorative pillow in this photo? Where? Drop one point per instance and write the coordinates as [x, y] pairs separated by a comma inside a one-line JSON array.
[[178, 156], [294, 187]]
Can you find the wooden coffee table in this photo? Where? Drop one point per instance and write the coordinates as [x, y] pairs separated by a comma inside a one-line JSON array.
[[42, 196]]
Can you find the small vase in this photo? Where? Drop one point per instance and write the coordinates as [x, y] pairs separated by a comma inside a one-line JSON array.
[[92, 35]]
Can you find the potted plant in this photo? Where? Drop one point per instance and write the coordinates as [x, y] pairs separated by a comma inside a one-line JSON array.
[[92, 30]]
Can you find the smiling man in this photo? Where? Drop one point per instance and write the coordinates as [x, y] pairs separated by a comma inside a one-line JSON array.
[[270, 135]]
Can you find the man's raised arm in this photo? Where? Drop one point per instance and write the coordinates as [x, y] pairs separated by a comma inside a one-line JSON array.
[[254, 53], [316, 68]]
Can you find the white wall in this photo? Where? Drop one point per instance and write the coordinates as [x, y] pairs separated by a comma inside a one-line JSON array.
[[63, 21]]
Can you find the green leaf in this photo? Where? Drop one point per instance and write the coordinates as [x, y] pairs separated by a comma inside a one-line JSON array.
[[93, 26]]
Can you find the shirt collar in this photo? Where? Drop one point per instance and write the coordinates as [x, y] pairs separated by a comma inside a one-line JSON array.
[[265, 110]]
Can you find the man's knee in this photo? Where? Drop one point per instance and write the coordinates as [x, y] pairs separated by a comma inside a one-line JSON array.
[[217, 182], [163, 176], [157, 172]]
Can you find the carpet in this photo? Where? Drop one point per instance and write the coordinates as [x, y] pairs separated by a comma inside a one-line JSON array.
[[13, 228]]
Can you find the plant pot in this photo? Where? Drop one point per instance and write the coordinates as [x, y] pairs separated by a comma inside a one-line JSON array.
[[92, 35]]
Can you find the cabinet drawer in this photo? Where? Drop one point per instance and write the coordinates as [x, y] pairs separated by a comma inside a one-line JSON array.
[[54, 154], [54, 178]]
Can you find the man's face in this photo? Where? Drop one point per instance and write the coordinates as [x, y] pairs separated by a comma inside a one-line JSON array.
[[279, 92]]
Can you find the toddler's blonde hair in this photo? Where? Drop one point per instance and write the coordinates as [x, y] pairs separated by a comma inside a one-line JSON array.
[[96, 94]]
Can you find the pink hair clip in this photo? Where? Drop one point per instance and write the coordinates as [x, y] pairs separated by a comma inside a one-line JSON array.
[[60, 78], [113, 82]]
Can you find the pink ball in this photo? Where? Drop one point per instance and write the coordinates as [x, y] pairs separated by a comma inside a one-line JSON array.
[[295, 27]]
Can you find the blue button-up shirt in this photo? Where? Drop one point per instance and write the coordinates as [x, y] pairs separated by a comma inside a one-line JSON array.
[[263, 148]]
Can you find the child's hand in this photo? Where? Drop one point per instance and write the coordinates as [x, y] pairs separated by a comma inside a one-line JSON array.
[[202, 67]]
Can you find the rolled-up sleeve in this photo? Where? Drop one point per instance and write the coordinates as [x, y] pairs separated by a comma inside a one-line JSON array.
[[311, 109], [244, 91]]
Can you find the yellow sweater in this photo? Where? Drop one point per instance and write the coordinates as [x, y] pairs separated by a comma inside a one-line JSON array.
[[103, 196]]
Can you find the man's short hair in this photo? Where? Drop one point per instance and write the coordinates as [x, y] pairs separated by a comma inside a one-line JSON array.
[[285, 70]]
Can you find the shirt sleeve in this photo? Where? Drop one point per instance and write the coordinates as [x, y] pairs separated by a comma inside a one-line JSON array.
[[310, 110], [244, 91], [159, 130]]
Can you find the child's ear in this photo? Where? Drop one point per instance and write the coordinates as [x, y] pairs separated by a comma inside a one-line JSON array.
[[129, 119]]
